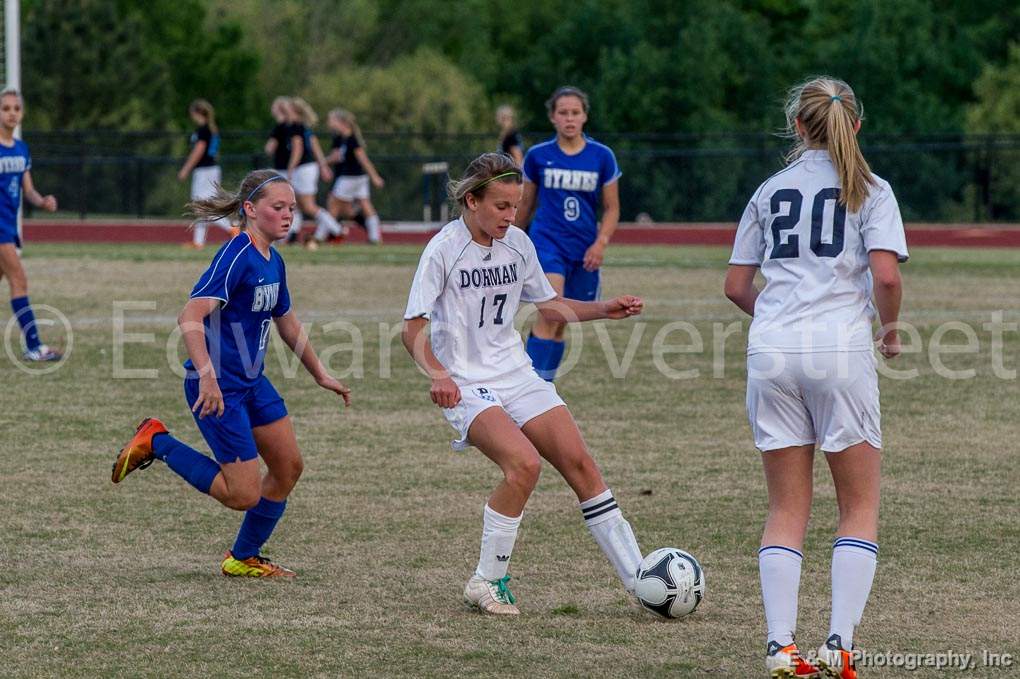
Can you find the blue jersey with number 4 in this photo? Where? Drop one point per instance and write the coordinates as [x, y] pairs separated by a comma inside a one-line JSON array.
[[14, 162], [569, 190], [252, 291]]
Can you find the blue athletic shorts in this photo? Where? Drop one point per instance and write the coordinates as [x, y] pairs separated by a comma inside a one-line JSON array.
[[229, 435], [577, 282], [10, 235]]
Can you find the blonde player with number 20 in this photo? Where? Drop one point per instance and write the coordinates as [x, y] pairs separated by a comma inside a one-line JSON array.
[[827, 236], [472, 277]]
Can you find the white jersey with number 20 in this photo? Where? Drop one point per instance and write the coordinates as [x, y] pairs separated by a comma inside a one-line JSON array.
[[470, 294], [813, 255]]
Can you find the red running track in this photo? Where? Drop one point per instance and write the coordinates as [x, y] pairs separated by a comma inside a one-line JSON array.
[[948, 235]]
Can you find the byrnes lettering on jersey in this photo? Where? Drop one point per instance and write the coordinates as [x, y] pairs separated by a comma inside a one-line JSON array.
[[265, 296], [571, 180], [252, 291], [489, 277], [13, 164]]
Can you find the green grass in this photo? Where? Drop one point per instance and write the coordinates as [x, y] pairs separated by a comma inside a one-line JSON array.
[[99, 580]]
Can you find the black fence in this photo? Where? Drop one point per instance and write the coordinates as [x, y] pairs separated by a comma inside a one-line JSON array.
[[667, 177]]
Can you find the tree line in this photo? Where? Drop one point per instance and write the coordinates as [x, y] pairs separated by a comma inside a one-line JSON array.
[[698, 66]]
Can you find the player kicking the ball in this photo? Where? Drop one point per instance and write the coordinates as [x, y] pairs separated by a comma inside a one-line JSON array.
[[471, 279], [826, 235]]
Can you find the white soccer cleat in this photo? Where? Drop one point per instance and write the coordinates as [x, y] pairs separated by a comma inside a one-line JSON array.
[[834, 662], [785, 662], [42, 354], [490, 596]]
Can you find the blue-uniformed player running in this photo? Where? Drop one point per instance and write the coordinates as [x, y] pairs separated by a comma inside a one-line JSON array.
[[226, 326], [565, 180], [15, 176]]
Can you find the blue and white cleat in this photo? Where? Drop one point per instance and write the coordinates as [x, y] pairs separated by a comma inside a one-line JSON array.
[[42, 354]]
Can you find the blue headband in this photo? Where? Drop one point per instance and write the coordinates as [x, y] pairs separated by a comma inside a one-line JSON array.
[[836, 97], [256, 190]]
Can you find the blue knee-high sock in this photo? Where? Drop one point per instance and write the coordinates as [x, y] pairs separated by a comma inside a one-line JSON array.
[[258, 525], [190, 465], [23, 310], [546, 355]]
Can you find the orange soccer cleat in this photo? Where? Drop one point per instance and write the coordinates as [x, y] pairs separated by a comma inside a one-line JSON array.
[[137, 454]]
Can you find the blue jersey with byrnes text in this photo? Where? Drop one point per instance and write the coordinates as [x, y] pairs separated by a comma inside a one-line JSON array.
[[569, 192], [14, 162], [252, 291]]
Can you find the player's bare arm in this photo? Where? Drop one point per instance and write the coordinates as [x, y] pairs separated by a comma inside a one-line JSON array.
[[373, 174], [563, 310], [48, 203], [324, 170], [885, 272], [190, 321], [526, 207], [192, 160], [297, 149], [294, 336], [740, 287], [444, 391], [607, 227]]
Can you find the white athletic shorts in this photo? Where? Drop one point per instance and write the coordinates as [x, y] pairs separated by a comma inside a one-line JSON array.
[[826, 399], [204, 181], [305, 180], [523, 395], [351, 188]]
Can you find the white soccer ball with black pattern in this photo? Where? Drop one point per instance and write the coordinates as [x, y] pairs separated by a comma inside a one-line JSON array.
[[670, 583]]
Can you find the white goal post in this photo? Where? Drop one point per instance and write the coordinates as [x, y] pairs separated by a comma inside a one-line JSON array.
[[12, 43]]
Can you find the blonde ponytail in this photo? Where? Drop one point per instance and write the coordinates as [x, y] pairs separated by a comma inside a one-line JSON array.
[[206, 110], [829, 113], [348, 118], [305, 112], [223, 203]]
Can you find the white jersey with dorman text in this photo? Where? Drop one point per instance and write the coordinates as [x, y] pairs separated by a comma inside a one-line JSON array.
[[470, 294], [813, 255]]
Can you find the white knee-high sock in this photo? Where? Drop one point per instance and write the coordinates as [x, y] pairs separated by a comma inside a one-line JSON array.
[[779, 568], [499, 533], [198, 233], [614, 535], [853, 570], [325, 225], [372, 226]]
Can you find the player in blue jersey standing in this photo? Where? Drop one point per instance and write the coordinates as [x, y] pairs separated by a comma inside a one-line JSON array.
[[203, 165], [15, 177], [565, 181], [226, 326]]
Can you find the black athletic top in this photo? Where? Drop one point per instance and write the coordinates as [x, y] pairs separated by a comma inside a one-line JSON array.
[[512, 139], [299, 130], [282, 134], [349, 165], [212, 145]]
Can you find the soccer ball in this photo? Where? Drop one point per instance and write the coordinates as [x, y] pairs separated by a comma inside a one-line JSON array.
[[670, 583]]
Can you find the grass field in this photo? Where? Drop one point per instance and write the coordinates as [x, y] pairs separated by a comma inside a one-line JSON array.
[[100, 580]]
